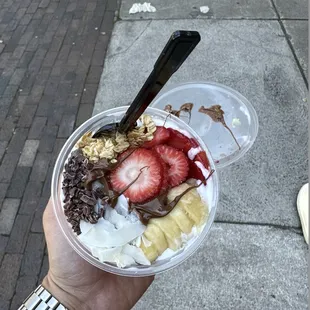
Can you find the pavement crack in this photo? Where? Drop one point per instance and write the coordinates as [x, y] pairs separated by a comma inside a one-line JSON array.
[[290, 44], [294, 229], [250, 43], [134, 41]]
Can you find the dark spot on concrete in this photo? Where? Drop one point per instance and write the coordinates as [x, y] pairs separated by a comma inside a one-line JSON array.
[[277, 86], [194, 14]]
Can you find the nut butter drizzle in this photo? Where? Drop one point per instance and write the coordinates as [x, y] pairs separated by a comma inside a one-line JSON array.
[[80, 198], [98, 171], [159, 207], [217, 115]]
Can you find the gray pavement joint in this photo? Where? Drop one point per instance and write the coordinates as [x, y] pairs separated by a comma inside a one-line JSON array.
[[290, 44]]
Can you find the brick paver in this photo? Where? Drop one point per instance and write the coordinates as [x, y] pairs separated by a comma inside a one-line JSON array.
[[51, 60], [7, 215]]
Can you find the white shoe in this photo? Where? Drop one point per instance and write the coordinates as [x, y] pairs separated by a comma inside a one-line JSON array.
[[303, 210]]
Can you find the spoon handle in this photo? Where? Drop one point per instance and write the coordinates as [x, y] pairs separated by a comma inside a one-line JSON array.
[[178, 48]]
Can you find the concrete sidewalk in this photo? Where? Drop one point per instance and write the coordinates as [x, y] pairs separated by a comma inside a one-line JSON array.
[[255, 257]]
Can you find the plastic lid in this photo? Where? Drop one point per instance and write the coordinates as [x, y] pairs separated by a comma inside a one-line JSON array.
[[239, 116]]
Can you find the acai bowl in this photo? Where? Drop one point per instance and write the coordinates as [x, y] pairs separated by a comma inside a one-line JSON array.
[[135, 204]]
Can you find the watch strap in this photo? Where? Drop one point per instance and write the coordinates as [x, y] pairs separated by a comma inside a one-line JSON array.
[[41, 299]]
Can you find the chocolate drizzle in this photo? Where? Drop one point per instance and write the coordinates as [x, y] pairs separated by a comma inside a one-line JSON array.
[[114, 197], [100, 171], [81, 192], [186, 107], [92, 176], [80, 195], [159, 207], [215, 112], [217, 115]]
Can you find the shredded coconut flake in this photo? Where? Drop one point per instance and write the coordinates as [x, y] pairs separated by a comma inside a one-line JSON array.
[[193, 152]]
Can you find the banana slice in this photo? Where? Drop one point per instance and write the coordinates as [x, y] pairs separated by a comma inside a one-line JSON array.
[[157, 237], [182, 220], [149, 251], [165, 232], [170, 229], [191, 203]]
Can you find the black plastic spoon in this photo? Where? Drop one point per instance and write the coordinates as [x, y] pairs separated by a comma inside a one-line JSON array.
[[178, 48]]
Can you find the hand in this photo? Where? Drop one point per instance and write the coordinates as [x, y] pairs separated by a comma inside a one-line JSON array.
[[78, 284]]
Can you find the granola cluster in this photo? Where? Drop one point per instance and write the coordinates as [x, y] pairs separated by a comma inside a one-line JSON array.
[[108, 148], [143, 133]]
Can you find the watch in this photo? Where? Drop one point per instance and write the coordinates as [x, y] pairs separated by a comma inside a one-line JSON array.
[[41, 299]]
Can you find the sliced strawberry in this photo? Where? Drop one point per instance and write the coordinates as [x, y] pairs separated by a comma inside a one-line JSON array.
[[195, 172], [194, 143], [165, 167], [177, 163], [165, 184], [179, 141], [202, 157], [161, 135], [147, 185]]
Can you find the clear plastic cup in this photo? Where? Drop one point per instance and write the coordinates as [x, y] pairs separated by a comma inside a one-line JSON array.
[[94, 123]]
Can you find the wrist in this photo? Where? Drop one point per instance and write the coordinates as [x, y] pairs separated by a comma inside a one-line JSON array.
[[61, 294]]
